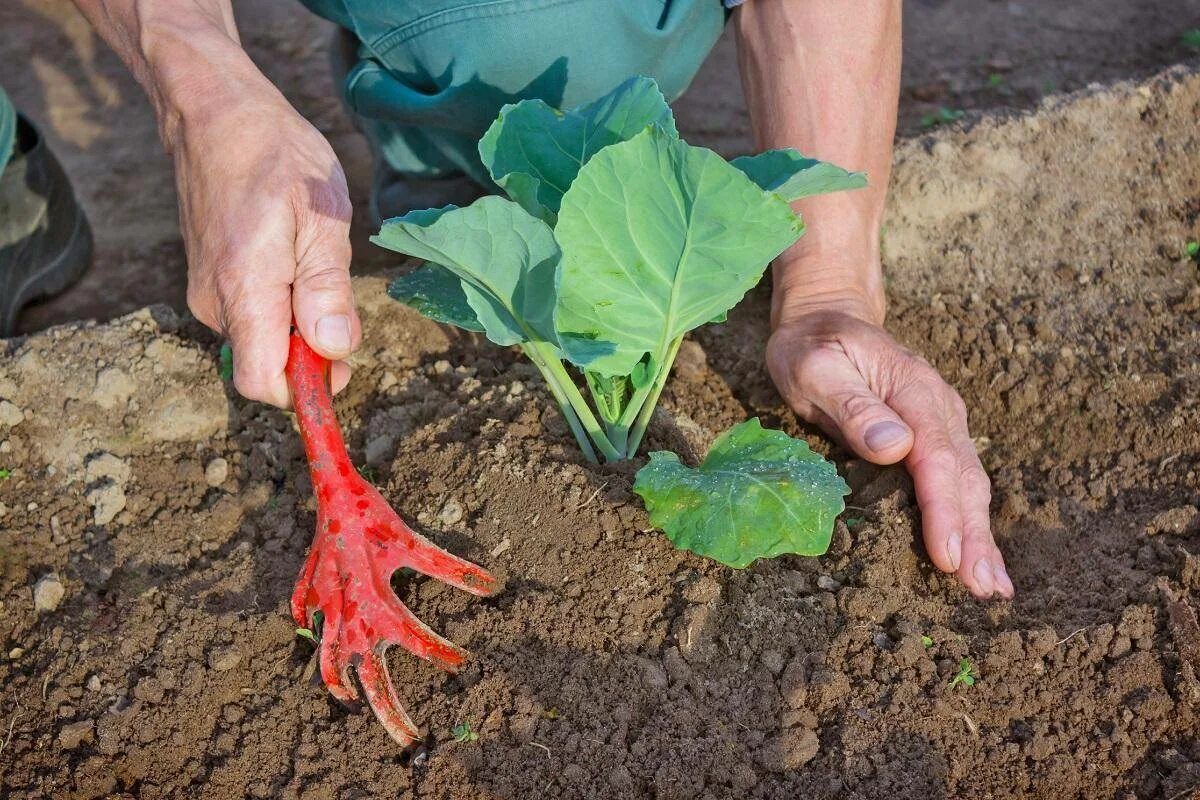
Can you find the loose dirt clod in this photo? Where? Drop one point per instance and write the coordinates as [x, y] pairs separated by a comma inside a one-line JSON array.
[[48, 592]]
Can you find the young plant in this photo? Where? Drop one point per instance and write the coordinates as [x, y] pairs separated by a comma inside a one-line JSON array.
[[618, 238], [944, 116], [966, 674], [1192, 249], [463, 734]]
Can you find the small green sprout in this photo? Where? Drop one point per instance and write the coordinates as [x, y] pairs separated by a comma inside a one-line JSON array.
[[226, 368], [966, 674], [369, 474], [462, 733], [944, 116], [1192, 248], [550, 713], [1191, 39], [5, 474], [927, 641], [995, 80], [854, 522], [1049, 86], [306, 633]]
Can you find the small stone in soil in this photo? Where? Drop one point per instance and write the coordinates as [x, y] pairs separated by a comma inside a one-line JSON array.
[[451, 513], [828, 584], [106, 465], [107, 501], [77, 733], [10, 415], [224, 659], [216, 471], [48, 592]]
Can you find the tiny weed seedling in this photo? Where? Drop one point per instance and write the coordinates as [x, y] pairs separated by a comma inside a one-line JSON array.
[[927, 641], [854, 522], [462, 733], [944, 116], [616, 239], [225, 370], [1191, 39], [5, 474], [966, 674], [995, 80], [306, 633], [1192, 248]]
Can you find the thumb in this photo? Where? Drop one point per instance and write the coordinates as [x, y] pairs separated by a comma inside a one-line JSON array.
[[872, 429], [322, 297]]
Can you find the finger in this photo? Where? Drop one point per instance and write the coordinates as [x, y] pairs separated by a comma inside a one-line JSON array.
[[933, 464], [339, 376], [322, 297], [835, 386], [982, 568], [257, 321], [381, 695]]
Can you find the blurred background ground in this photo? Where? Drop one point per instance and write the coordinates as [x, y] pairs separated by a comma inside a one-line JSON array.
[[960, 55]]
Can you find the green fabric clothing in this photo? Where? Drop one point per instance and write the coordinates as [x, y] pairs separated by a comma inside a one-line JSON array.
[[8, 128], [431, 75]]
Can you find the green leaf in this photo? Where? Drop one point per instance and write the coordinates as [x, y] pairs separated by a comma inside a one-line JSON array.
[[225, 368], [658, 237], [305, 633], [436, 292], [927, 641], [792, 176], [1192, 248], [758, 494], [534, 151], [506, 260]]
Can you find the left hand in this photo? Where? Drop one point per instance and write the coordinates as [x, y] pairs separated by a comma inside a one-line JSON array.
[[838, 368]]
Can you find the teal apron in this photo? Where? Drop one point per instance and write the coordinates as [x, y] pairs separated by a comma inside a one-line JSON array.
[[431, 75]]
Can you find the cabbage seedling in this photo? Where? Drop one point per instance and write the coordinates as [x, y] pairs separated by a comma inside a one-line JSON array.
[[615, 240]]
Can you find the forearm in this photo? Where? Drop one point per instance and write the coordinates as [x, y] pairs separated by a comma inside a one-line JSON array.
[[185, 54], [823, 76]]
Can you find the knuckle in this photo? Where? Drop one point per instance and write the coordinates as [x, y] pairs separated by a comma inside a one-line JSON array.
[[976, 481], [325, 278], [854, 406]]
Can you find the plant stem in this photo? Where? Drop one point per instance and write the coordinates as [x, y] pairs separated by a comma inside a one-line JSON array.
[[647, 410], [579, 415]]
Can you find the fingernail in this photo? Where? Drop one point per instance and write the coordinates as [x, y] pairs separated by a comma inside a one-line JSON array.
[[984, 577], [883, 435], [1002, 581], [333, 333], [954, 550]]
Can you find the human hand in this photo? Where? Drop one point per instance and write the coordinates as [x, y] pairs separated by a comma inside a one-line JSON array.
[[265, 215], [838, 368]]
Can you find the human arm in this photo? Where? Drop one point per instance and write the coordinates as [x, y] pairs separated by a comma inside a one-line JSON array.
[[263, 204], [822, 76]]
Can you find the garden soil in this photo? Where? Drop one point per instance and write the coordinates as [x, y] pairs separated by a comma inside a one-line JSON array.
[[153, 525]]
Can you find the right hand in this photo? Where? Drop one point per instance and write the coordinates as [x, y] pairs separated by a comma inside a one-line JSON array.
[[265, 215], [838, 368]]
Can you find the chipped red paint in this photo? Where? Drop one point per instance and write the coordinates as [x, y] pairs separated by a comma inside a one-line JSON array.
[[358, 545]]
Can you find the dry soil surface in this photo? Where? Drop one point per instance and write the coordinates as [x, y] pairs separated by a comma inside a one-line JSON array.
[[1036, 259]]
